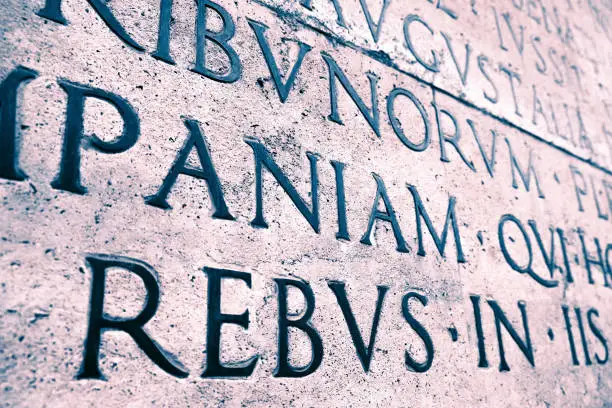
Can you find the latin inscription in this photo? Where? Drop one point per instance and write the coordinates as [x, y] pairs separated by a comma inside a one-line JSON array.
[[485, 119]]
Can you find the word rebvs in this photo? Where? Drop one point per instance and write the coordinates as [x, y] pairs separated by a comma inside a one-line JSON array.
[[100, 322]]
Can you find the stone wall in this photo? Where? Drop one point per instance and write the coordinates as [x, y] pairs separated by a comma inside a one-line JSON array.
[[305, 203]]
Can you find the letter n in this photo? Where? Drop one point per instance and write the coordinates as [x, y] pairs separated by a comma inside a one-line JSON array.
[[263, 159], [335, 73]]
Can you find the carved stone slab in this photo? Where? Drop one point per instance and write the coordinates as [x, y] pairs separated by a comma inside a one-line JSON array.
[[305, 203]]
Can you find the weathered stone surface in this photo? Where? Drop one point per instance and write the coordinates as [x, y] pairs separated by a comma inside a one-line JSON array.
[[458, 143]]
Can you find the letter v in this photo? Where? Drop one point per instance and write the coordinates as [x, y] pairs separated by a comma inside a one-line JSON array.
[[489, 161], [365, 355], [374, 28], [468, 51], [281, 88]]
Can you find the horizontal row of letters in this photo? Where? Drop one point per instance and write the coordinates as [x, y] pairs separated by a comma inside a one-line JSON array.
[[68, 179], [587, 341]]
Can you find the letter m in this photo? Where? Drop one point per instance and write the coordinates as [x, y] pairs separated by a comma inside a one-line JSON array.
[[439, 240]]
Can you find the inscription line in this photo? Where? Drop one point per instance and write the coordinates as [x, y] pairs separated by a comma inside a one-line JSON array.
[[383, 58]]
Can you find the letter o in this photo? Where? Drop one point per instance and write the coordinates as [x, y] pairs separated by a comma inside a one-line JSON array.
[[397, 126]]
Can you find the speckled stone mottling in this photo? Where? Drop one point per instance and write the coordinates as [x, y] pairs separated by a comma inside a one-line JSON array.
[[554, 115]]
